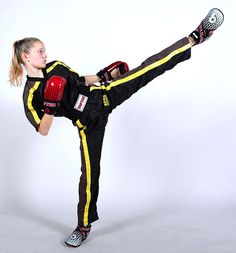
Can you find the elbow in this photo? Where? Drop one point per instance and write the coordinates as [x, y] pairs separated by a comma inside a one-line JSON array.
[[43, 132]]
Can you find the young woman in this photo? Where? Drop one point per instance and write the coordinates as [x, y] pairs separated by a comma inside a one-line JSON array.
[[54, 89]]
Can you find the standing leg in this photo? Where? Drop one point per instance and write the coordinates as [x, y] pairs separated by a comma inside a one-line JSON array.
[[91, 148]]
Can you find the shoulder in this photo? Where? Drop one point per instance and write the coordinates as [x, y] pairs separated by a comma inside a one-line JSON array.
[[57, 64], [54, 64]]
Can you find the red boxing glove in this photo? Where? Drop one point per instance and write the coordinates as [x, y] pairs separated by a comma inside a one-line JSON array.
[[106, 74], [53, 93]]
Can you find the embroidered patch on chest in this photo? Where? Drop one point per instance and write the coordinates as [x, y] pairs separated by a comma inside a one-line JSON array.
[[81, 103]]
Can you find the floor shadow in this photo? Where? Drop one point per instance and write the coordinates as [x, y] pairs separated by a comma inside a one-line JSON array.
[[43, 220], [121, 224]]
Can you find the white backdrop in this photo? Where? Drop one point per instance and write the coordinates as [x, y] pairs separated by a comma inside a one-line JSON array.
[[174, 142]]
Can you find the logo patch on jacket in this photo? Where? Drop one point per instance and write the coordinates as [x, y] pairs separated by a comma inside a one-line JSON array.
[[81, 103]]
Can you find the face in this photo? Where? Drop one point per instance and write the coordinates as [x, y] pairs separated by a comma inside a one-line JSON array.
[[37, 56]]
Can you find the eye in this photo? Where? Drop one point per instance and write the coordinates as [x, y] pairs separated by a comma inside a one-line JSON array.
[[41, 51]]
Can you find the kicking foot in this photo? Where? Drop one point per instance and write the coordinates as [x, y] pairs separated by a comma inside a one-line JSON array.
[[210, 23], [78, 236]]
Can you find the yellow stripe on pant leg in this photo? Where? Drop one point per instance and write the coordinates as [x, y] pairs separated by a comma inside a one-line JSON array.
[[88, 175], [79, 124], [144, 70]]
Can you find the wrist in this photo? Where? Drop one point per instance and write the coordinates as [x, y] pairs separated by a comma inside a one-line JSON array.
[[51, 108], [48, 116], [98, 78]]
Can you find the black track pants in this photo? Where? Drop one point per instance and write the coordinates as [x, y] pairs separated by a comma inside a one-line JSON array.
[[115, 93]]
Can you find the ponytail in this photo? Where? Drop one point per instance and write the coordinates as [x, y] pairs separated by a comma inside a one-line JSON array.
[[16, 67]]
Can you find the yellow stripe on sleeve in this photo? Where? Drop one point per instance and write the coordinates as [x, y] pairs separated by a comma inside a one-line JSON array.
[[29, 102]]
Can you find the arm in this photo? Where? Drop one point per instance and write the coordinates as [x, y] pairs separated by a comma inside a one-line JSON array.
[[107, 74], [112, 71], [91, 79], [45, 124]]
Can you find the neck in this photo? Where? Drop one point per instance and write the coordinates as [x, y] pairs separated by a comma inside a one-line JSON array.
[[34, 72]]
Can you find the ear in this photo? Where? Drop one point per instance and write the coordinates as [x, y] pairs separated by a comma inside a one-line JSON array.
[[25, 57]]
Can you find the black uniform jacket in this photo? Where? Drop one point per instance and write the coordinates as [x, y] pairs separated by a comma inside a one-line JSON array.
[[78, 103]]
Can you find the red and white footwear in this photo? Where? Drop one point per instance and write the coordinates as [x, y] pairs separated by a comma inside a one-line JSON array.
[[78, 236], [210, 23]]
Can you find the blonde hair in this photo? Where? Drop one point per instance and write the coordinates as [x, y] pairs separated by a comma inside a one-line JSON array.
[[16, 69]]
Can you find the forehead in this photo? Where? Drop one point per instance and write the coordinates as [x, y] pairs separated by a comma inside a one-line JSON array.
[[38, 45]]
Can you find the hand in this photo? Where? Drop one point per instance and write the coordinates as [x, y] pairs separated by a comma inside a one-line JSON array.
[[53, 93], [112, 71]]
